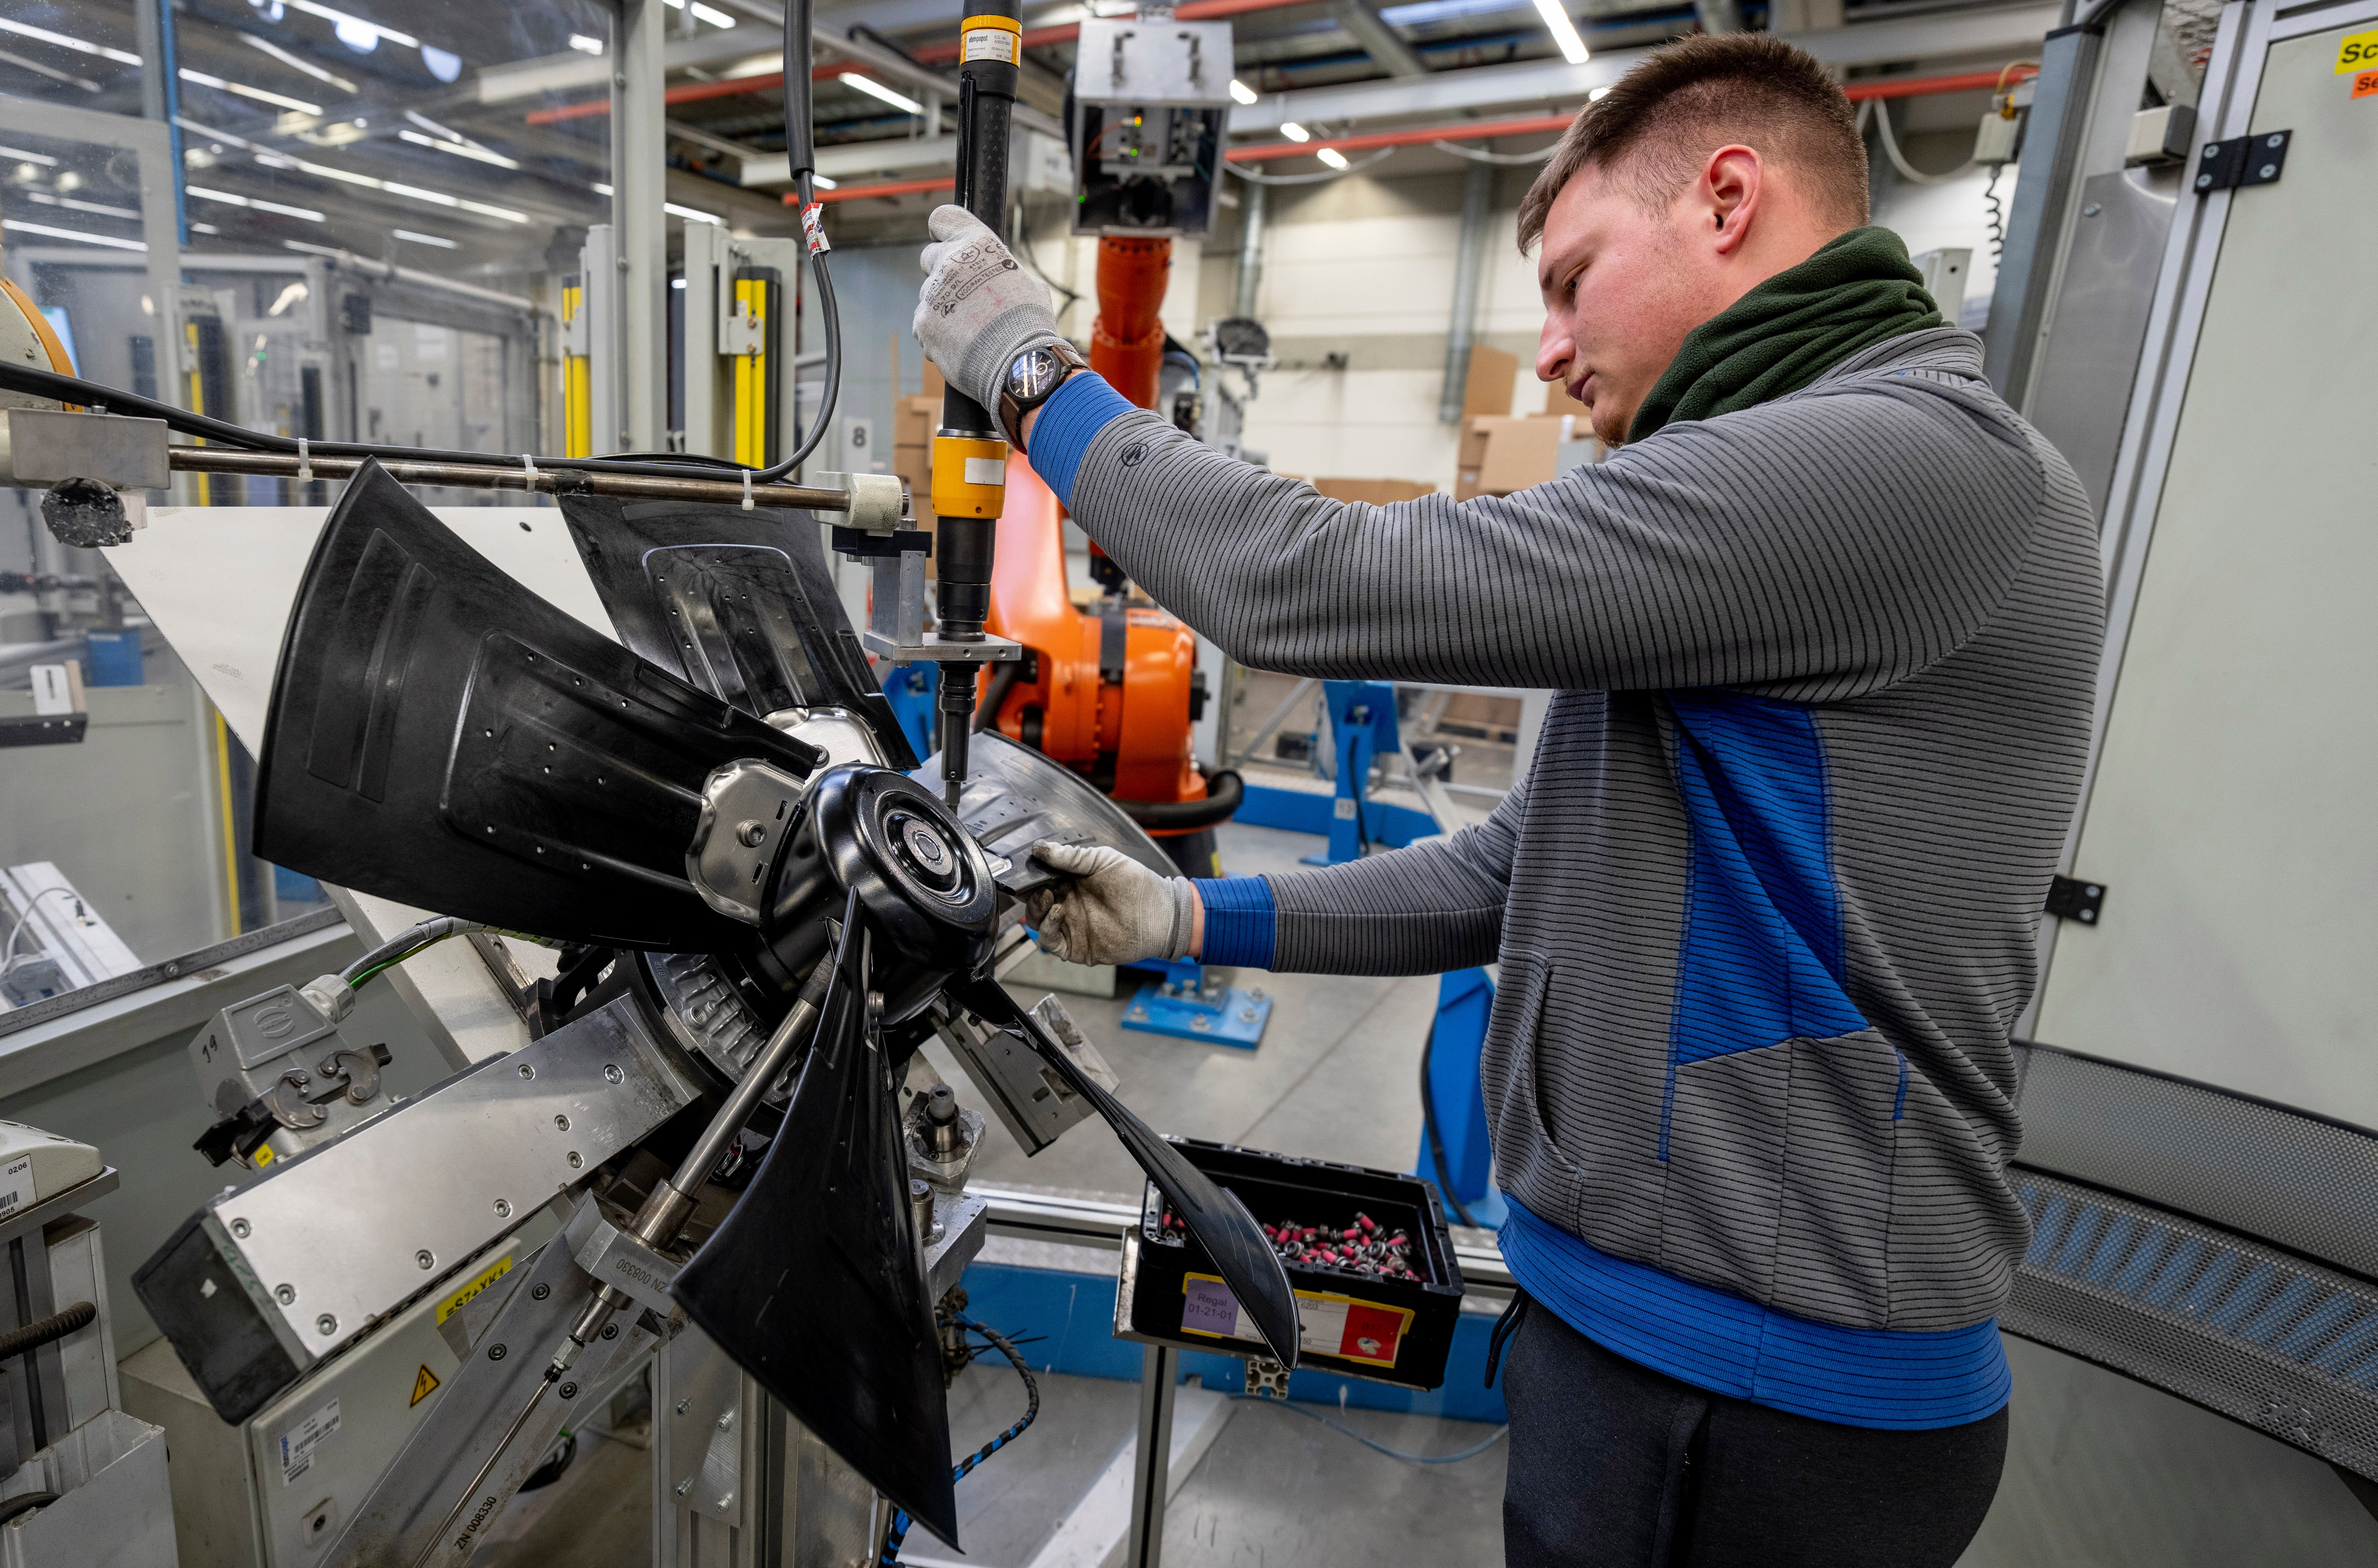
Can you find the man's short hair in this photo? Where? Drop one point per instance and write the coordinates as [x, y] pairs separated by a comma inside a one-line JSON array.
[[1663, 118]]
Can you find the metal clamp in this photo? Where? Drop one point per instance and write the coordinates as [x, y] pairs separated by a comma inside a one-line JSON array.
[[879, 502], [610, 1256]]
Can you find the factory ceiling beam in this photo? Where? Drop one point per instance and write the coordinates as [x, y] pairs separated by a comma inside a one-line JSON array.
[[1381, 43], [1937, 36]]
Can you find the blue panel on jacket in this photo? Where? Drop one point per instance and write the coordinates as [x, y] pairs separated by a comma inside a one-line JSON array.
[[1761, 961]]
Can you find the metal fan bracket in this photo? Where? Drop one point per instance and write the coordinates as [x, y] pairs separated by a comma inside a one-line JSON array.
[[1030, 1098], [896, 620], [748, 812], [963, 1222]]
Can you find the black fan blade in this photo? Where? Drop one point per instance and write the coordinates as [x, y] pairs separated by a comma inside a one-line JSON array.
[[813, 1284], [1217, 1218], [1015, 797], [741, 604], [440, 735]]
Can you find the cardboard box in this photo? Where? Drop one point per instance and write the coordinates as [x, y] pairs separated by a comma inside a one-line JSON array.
[[1515, 454], [1557, 401], [1377, 492], [1485, 395]]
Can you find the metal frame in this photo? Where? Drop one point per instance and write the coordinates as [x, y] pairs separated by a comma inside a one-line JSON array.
[[2226, 109], [639, 229], [150, 142]]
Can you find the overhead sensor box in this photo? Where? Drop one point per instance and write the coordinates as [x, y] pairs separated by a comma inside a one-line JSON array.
[[1151, 102]]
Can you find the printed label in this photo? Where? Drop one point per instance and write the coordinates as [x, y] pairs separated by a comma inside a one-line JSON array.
[[2366, 85], [16, 1185], [2358, 52], [297, 1445], [461, 1299], [992, 44], [814, 225], [986, 470], [1327, 1325]]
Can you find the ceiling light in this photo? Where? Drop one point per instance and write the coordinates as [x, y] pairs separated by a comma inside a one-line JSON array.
[[20, 226], [78, 45], [346, 25], [875, 89], [232, 199], [196, 229], [585, 45], [600, 188], [288, 297], [697, 216], [44, 159], [677, 282], [299, 104], [757, 66], [1564, 31], [443, 63], [1598, 92], [425, 239], [22, 62], [1332, 157], [97, 209], [1294, 132], [703, 13], [1242, 92], [294, 64], [821, 181], [460, 149]]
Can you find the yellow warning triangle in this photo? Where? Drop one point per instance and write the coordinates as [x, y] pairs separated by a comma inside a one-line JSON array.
[[424, 1383]]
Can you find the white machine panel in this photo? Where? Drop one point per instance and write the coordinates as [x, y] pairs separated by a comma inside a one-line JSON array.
[[2231, 819], [219, 582]]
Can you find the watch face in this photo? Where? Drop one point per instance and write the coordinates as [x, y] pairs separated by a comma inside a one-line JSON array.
[[1034, 371]]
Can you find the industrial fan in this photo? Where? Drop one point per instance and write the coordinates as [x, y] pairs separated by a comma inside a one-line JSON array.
[[708, 799]]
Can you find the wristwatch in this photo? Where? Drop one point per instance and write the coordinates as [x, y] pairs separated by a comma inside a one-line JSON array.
[[1032, 378]]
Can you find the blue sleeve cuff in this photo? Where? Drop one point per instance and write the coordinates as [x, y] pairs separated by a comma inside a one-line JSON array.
[[1240, 920], [1068, 424]]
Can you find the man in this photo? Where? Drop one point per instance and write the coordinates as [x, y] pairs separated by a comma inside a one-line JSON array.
[[1825, 631]]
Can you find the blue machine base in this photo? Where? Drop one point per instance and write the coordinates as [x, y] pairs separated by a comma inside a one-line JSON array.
[[1237, 1020], [1301, 811]]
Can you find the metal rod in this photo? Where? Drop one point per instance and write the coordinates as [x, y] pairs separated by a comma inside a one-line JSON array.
[[487, 1470], [698, 1162], [496, 476], [1152, 1464]]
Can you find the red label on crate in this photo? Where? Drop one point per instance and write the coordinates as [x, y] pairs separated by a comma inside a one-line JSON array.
[[1372, 1331]]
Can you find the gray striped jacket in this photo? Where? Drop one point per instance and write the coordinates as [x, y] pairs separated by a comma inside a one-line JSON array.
[[1765, 904]]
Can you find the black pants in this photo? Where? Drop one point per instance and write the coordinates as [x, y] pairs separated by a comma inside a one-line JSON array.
[[1615, 1465]]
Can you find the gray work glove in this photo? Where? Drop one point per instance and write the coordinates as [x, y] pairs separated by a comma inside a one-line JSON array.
[[977, 309], [1112, 911]]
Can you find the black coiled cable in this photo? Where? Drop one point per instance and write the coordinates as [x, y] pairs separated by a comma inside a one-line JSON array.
[[899, 1532]]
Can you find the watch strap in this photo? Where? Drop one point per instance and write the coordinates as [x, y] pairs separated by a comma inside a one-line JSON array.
[[1012, 409]]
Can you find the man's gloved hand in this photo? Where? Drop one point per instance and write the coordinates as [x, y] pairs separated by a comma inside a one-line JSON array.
[[1114, 911], [977, 309]]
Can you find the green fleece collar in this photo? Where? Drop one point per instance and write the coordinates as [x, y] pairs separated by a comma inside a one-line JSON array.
[[1856, 291]]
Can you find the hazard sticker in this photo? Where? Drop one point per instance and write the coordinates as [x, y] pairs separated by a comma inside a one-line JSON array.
[[2365, 84], [424, 1383], [2357, 52]]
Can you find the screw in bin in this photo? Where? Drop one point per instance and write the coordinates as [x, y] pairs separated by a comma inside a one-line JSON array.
[[611, 1075]]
